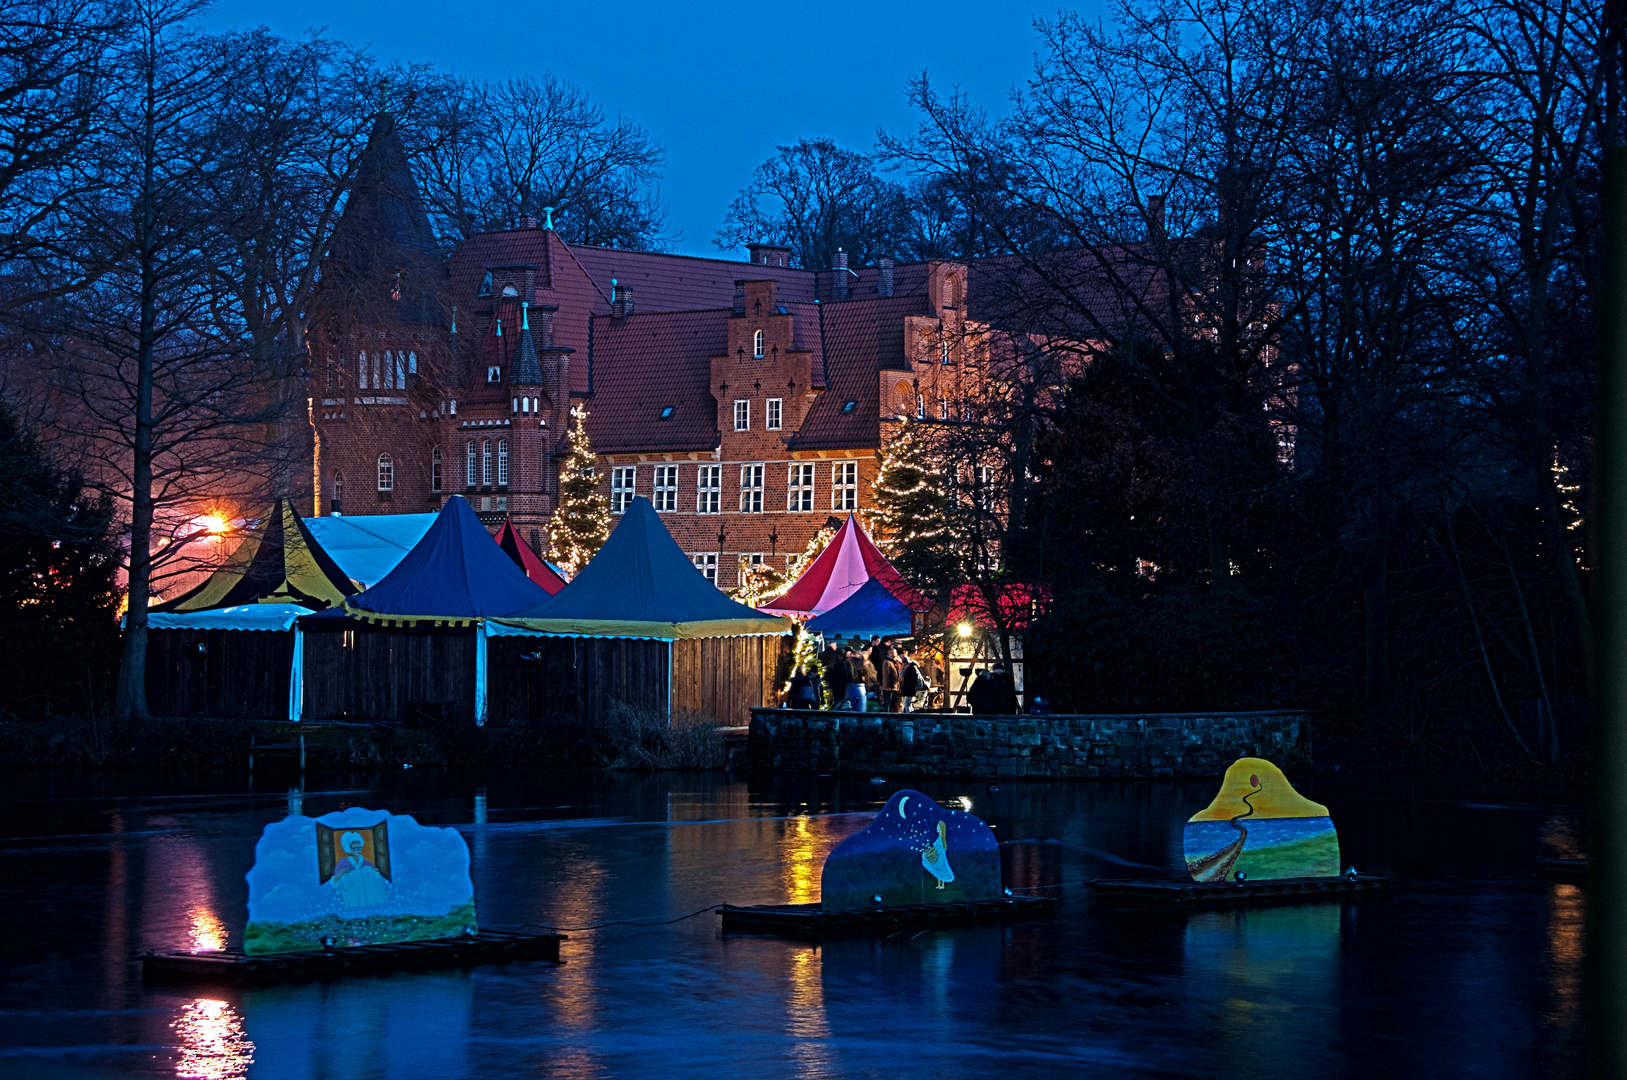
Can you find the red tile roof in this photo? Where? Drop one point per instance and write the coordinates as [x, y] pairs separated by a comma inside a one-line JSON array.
[[645, 363], [684, 282], [860, 337]]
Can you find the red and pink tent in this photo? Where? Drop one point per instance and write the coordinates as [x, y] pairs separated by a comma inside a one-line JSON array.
[[514, 546], [848, 561]]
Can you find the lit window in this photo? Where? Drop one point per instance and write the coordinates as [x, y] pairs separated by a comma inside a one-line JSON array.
[[485, 462], [773, 414], [920, 406], [386, 473], [708, 489], [474, 473], [706, 562], [742, 415], [435, 469], [844, 485], [338, 491], [666, 488], [622, 478], [751, 489], [757, 345], [502, 461], [800, 487]]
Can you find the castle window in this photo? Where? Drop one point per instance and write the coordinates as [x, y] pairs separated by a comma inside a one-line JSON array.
[[757, 345], [706, 563], [708, 489], [389, 369], [400, 371], [485, 463], [799, 486], [773, 416], [920, 406], [485, 284], [386, 473], [666, 488], [361, 372], [502, 462], [435, 469], [751, 489], [378, 363], [509, 290], [338, 491], [943, 408], [473, 474], [622, 478], [494, 374], [412, 363], [844, 485], [742, 415]]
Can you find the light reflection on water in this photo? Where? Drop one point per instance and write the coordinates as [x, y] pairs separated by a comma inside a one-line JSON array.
[[1486, 969], [213, 1043]]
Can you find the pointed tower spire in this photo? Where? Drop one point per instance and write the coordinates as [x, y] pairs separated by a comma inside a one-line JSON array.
[[527, 370]]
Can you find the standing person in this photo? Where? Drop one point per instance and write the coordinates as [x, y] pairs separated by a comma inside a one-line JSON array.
[[802, 694], [872, 677], [981, 696], [835, 664], [909, 680], [889, 673], [855, 694], [1005, 690]]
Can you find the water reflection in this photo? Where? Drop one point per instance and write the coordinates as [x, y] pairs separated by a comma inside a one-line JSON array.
[[1565, 956], [213, 1043], [805, 1019], [208, 932]]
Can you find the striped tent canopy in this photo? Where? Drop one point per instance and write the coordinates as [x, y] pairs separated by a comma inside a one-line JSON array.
[[543, 573], [454, 574], [279, 562], [848, 561]]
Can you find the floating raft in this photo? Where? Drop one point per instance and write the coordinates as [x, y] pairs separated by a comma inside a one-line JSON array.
[[1187, 891], [238, 969], [814, 922]]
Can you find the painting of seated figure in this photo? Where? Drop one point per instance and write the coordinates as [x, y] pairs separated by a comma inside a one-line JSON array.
[[914, 852], [356, 877], [1259, 829]]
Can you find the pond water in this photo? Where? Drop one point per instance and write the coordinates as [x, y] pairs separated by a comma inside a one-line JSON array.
[[1472, 966]]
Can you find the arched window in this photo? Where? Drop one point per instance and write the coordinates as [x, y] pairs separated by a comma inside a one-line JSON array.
[[473, 476], [502, 461], [400, 372], [485, 284], [412, 363], [905, 397], [361, 372], [757, 345], [485, 462], [435, 469], [389, 369], [378, 361], [509, 290], [386, 473], [338, 491]]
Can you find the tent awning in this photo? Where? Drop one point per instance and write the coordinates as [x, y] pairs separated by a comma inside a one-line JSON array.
[[369, 547], [871, 610], [239, 617], [641, 585], [848, 561]]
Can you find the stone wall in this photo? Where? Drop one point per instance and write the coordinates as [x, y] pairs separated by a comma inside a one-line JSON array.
[[1053, 747]]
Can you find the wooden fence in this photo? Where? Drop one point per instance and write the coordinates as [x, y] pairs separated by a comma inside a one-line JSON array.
[[212, 673], [355, 671]]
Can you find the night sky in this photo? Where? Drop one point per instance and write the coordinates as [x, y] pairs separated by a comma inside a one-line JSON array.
[[719, 84]]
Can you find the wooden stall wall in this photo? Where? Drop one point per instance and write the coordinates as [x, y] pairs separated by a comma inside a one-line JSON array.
[[235, 675], [362, 672], [724, 678], [573, 680]]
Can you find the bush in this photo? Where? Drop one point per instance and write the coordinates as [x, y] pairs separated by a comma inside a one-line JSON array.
[[644, 740]]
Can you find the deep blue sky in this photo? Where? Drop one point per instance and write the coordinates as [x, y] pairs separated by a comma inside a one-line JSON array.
[[719, 84]]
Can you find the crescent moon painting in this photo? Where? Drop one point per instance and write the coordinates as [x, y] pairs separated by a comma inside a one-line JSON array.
[[930, 855]]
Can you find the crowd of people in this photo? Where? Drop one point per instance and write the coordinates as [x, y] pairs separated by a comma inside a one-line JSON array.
[[889, 674]]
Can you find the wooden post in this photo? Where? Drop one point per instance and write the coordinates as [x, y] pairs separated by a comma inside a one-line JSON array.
[[302, 755], [1607, 769]]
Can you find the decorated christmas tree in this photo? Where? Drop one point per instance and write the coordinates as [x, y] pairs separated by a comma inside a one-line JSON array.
[[581, 523], [912, 522]]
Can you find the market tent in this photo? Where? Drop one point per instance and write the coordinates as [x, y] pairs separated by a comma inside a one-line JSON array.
[[508, 538], [241, 662], [641, 585], [279, 562], [455, 573], [848, 561], [371, 546], [870, 611]]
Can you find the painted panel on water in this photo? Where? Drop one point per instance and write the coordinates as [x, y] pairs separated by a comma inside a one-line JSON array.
[[914, 852], [1260, 828], [359, 877]]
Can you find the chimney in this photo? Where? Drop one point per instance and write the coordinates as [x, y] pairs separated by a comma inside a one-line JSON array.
[[769, 255], [527, 221], [621, 300], [1155, 217], [740, 299], [838, 276], [884, 278], [545, 324]]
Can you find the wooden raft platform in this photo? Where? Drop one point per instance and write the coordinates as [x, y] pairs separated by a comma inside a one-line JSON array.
[[238, 969], [1187, 891], [813, 921]]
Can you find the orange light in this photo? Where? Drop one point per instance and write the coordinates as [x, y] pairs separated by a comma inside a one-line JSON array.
[[214, 523]]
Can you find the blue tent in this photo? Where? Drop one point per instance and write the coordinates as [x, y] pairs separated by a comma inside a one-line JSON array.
[[871, 610], [454, 573], [640, 584]]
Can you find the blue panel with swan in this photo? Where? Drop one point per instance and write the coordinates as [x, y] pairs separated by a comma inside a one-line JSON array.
[[914, 852]]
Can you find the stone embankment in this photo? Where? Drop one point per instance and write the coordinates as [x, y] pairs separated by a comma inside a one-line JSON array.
[[1053, 747]]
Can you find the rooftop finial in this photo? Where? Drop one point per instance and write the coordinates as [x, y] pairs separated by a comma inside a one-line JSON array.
[[547, 217], [499, 326], [454, 318], [525, 315]]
